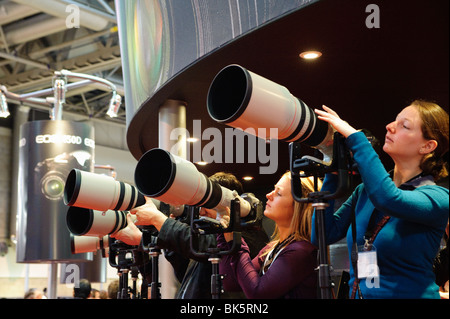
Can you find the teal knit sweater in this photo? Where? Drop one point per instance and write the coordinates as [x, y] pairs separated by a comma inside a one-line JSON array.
[[408, 243]]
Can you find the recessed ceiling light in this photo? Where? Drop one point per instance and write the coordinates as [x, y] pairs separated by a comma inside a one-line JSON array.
[[192, 139], [247, 178], [202, 163], [310, 55]]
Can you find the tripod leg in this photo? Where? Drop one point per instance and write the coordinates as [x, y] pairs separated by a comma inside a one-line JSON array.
[[324, 267], [124, 290], [155, 293], [216, 279]]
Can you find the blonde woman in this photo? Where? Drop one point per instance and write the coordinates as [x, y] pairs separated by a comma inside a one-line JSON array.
[[284, 268]]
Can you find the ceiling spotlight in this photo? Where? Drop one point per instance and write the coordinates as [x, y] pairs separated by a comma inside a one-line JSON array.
[[310, 55], [247, 178], [59, 90], [4, 112], [202, 163], [114, 105], [59, 95], [192, 139]]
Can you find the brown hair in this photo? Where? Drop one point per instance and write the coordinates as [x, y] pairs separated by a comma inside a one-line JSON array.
[[228, 180], [434, 127]]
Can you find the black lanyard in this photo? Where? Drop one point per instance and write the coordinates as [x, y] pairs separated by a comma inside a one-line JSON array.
[[271, 256]]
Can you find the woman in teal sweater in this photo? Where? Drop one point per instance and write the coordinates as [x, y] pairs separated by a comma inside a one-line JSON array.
[[415, 210]]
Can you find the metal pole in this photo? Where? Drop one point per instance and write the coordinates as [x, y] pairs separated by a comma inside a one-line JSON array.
[[324, 267], [172, 115], [52, 280]]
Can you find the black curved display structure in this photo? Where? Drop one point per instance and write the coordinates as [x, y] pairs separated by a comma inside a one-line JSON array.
[[375, 59]]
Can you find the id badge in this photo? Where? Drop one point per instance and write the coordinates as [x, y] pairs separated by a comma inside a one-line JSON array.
[[367, 262]]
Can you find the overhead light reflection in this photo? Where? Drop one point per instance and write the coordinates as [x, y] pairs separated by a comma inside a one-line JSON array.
[[310, 55]]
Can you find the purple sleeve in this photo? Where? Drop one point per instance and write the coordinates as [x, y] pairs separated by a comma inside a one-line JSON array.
[[230, 282], [291, 267]]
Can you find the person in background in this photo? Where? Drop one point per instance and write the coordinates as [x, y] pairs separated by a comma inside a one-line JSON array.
[[113, 289], [95, 294], [103, 294], [285, 267], [400, 216], [82, 289], [34, 293]]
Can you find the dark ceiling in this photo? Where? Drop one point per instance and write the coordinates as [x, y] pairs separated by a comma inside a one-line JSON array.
[[366, 74]]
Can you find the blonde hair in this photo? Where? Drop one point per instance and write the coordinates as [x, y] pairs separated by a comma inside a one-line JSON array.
[[301, 222], [434, 127]]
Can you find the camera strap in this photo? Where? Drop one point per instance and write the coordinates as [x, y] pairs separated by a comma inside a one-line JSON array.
[[354, 252]]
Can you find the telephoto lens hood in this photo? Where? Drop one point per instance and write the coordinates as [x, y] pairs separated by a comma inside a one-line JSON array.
[[176, 181], [100, 192], [88, 222], [88, 244], [242, 99]]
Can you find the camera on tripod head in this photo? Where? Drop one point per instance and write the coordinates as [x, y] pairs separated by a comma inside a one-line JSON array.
[[302, 166]]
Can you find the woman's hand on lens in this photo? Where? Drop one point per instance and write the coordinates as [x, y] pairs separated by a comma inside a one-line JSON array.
[[330, 116]]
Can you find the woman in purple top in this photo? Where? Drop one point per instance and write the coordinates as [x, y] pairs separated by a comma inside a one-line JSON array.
[[284, 268]]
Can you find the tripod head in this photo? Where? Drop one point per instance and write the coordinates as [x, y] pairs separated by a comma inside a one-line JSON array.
[[148, 240], [302, 166], [204, 226], [121, 255], [125, 259]]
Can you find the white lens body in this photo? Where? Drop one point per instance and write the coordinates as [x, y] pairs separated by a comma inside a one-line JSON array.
[[176, 181], [88, 222], [101, 192], [106, 222], [188, 186], [87, 244], [98, 192], [271, 106], [244, 100]]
